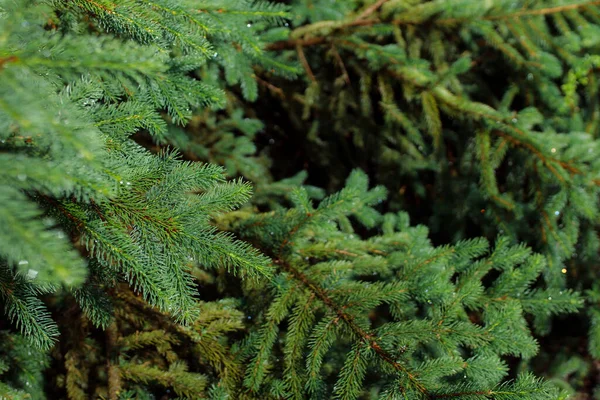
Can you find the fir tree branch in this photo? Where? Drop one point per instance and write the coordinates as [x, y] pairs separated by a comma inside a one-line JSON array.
[[544, 11], [366, 337], [309, 35], [470, 107]]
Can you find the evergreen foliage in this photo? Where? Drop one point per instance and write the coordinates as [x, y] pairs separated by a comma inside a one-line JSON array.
[[403, 318], [165, 228], [401, 69], [72, 173]]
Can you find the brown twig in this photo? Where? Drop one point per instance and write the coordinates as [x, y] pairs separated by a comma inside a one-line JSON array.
[[336, 55], [276, 90], [305, 63], [8, 59], [370, 10]]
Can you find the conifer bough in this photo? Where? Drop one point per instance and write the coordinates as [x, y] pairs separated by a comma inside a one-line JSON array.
[[136, 273]]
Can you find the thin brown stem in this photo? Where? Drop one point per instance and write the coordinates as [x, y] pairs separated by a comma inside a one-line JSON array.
[[7, 60], [305, 63], [371, 9], [339, 60], [274, 89]]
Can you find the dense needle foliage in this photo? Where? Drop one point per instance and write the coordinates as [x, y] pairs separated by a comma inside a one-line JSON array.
[[304, 199]]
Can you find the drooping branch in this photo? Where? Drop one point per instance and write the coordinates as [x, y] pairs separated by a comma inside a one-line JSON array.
[[309, 35]]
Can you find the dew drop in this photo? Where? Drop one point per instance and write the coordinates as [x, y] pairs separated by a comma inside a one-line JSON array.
[[23, 262], [557, 213], [550, 298], [249, 317], [249, 25], [271, 141]]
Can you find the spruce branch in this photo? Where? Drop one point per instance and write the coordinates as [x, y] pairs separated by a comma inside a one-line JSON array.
[[320, 32], [531, 12], [367, 337]]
